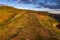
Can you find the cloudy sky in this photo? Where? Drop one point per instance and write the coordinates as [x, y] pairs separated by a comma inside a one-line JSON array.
[[37, 5]]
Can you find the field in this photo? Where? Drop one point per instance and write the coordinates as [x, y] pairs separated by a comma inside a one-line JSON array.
[[18, 24]]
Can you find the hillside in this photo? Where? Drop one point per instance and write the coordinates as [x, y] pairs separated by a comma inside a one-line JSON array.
[[18, 24]]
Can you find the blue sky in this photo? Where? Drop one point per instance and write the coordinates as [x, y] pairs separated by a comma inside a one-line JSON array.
[[15, 4], [22, 5], [27, 6]]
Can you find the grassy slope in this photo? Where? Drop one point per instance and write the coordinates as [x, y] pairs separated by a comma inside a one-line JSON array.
[[16, 24]]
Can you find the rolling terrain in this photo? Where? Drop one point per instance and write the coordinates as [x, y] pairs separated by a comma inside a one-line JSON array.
[[18, 24]]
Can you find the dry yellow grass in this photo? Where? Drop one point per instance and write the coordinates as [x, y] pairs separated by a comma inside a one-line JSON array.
[[16, 24]]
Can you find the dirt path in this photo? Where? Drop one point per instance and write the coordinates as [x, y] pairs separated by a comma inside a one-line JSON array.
[[32, 27]]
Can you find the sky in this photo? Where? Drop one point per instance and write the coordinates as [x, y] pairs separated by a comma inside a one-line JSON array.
[[31, 6]]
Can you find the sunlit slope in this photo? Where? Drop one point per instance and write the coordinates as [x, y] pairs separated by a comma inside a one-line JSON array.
[[16, 24]]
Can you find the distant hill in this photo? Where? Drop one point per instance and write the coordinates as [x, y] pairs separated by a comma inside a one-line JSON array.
[[18, 24]]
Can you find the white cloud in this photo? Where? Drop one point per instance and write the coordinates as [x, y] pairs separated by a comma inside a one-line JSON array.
[[54, 11]]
